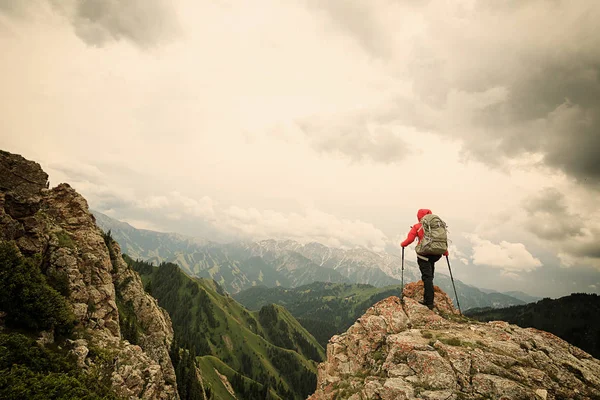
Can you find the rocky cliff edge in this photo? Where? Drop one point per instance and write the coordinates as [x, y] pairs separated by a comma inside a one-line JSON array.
[[406, 351], [56, 226]]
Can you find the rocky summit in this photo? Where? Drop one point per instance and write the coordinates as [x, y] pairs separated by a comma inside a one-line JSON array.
[[402, 350], [103, 293]]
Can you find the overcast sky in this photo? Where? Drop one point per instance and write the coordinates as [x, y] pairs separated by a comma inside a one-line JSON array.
[[331, 121]]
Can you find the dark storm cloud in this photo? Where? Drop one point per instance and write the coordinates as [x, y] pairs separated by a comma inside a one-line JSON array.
[[98, 22], [553, 111], [544, 55], [589, 249], [553, 84], [549, 217], [575, 233]]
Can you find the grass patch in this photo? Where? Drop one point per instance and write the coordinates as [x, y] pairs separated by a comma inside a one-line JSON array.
[[377, 356], [65, 240], [454, 341]]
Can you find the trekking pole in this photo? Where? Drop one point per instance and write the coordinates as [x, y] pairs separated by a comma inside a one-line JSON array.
[[455, 295], [402, 289]]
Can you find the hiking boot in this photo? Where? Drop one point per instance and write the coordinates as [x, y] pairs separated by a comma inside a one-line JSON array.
[[430, 306]]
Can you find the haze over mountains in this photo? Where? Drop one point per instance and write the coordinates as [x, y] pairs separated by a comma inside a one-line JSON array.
[[241, 265]]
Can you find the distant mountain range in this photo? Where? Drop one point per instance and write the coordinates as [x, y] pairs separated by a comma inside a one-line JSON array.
[[524, 297], [241, 265]]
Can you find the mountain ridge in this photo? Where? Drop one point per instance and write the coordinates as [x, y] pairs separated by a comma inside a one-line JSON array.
[[241, 265]]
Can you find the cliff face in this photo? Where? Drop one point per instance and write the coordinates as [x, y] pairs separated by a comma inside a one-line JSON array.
[[406, 351], [57, 225]]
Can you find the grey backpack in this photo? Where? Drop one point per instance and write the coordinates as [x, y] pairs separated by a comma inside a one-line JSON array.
[[435, 236]]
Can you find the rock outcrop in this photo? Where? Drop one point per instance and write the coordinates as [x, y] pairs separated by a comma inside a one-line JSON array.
[[56, 225], [406, 351]]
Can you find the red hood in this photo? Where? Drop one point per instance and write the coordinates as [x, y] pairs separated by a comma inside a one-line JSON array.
[[422, 212]]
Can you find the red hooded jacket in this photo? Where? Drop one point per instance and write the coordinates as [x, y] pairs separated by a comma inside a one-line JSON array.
[[416, 231]]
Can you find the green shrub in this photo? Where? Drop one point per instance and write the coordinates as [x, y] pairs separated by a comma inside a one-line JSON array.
[[21, 383], [28, 371], [30, 302]]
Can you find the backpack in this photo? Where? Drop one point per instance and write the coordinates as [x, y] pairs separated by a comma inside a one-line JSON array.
[[435, 236]]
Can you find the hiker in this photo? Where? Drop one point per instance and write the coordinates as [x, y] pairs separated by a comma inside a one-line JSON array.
[[425, 259]]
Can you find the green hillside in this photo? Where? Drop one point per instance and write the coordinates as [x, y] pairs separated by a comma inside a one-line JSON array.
[[324, 309], [266, 351], [573, 318]]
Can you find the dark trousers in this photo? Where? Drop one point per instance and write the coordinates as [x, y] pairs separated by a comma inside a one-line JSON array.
[[427, 268]]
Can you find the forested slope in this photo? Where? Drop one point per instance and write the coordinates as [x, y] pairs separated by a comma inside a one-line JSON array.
[[262, 353]]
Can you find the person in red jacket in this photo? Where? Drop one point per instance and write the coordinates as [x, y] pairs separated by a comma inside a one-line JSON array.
[[426, 263]]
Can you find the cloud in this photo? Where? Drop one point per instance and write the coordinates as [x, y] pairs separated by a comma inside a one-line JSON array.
[[357, 137], [510, 257], [575, 235], [511, 275], [179, 205], [455, 253], [105, 197], [216, 221], [549, 217], [311, 225], [142, 224], [569, 260], [78, 171], [99, 22], [507, 80]]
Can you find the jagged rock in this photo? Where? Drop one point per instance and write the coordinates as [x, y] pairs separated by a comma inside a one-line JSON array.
[[136, 376], [157, 331], [21, 177], [79, 348], [56, 223], [406, 351]]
